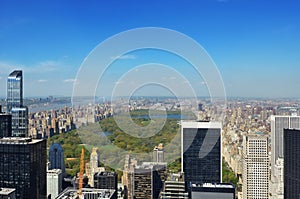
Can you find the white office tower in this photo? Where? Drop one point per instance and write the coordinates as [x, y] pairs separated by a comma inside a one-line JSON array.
[[278, 124], [255, 167], [54, 183]]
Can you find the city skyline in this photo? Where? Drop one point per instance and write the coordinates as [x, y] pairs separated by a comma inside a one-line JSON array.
[[254, 44]]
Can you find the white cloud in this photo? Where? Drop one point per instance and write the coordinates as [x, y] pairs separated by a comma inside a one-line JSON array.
[[40, 67], [42, 80], [124, 57], [49, 65], [70, 80], [119, 82], [44, 67]]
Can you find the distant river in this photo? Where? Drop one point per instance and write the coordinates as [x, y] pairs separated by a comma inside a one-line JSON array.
[[170, 116], [48, 107]]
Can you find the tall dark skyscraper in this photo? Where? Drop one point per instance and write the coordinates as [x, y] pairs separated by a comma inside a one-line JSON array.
[[14, 90], [291, 163], [23, 166], [278, 123], [201, 152], [15, 104], [56, 157]]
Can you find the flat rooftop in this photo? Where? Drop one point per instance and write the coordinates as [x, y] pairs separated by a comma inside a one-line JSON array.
[[214, 185], [6, 191], [71, 193], [19, 140], [201, 125]]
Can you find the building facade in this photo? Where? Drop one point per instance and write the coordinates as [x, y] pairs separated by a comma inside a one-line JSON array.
[[128, 176], [56, 157], [201, 160], [291, 163], [14, 90], [23, 166], [148, 180], [93, 166], [174, 188], [54, 183], [158, 153], [19, 121], [5, 124], [15, 104], [106, 180], [278, 123], [255, 167]]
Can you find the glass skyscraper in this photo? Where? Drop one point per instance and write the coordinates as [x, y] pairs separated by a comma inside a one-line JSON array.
[[56, 157], [14, 90], [15, 104], [201, 152], [278, 124]]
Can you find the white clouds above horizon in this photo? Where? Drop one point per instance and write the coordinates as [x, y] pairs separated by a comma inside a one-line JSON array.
[[70, 80], [124, 57], [42, 80], [39, 67]]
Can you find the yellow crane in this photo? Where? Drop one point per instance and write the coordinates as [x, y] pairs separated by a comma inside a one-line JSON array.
[[81, 173]]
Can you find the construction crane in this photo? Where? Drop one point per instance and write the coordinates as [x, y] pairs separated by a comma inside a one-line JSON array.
[[81, 173]]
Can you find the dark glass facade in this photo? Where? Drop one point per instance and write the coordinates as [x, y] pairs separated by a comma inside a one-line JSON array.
[[19, 121], [14, 90], [106, 180], [201, 155], [56, 157], [5, 125], [291, 163], [143, 183], [15, 104], [23, 167], [148, 180]]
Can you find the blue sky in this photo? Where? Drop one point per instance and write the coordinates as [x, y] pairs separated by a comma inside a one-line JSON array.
[[255, 44]]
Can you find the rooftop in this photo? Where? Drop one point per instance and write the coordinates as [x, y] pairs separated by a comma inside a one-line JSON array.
[[14, 74], [54, 171], [215, 185], [18, 140], [71, 193], [201, 125], [6, 191], [105, 173]]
